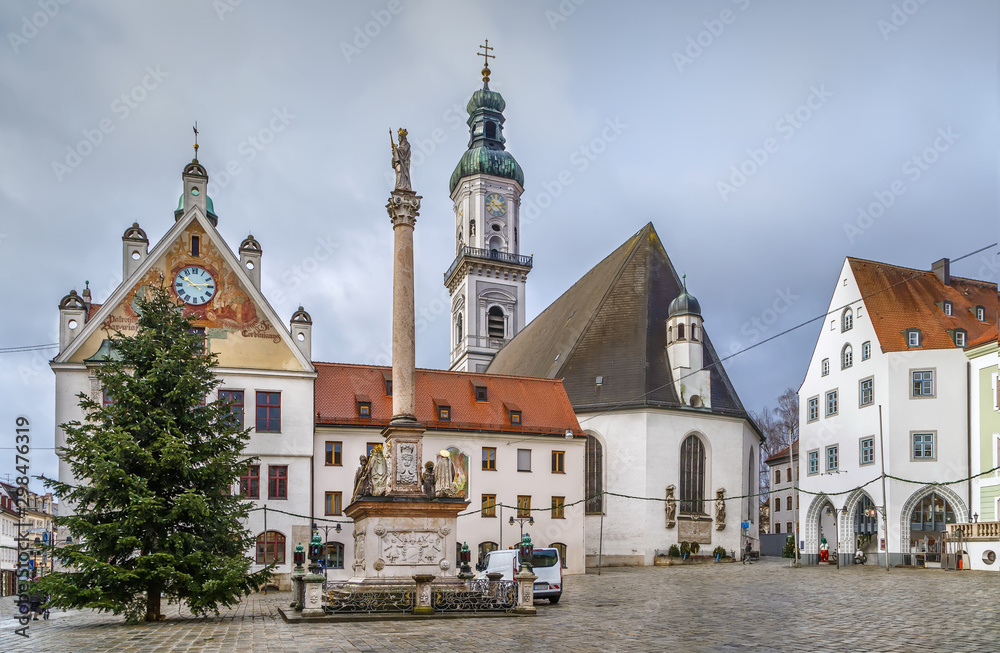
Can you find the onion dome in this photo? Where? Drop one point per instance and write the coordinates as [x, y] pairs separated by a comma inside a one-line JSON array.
[[301, 317], [486, 153], [684, 304]]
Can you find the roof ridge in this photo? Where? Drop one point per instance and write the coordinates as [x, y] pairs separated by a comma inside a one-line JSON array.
[[922, 271], [432, 370]]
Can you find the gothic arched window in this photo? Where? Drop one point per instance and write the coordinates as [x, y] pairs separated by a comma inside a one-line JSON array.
[[595, 476], [847, 320], [495, 322], [459, 333], [693, 475], [846, 357]]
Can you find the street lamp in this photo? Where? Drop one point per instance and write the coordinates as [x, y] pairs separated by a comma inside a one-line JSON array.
[[521, 520], [526, 549], [326, 537]]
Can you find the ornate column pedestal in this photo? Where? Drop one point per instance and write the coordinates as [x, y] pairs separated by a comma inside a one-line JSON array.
[[298, 588], [423, 605], [313, 601], [525, 592]]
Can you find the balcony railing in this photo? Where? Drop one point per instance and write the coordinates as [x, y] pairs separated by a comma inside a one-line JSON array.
[[982, 530], [488, 255]]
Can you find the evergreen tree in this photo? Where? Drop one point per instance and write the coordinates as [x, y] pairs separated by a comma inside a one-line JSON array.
[[789, 550], [155, 516]]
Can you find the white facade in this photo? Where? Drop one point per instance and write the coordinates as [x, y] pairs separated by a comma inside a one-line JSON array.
[[841, 445], [641, 457], [505, 482], [784, 498]]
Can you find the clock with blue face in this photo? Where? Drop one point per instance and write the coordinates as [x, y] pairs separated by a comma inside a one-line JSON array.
[[496, 205], [194, 285]]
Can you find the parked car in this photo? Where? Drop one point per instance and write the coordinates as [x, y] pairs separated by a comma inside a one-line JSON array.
[[545, 564]]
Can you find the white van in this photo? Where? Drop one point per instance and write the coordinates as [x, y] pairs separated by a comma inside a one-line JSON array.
[[545, 564]]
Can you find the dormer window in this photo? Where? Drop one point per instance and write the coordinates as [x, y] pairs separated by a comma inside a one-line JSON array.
[[444, 413], [981, 313], [847, 320], [515, 417], [947, 307], [480, 393], [826, 366], [364, 409], [958, 335], [388, 387], [912, 337]]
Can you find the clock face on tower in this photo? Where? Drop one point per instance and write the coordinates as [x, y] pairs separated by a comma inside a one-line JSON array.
[[194, 285], [496, 205]]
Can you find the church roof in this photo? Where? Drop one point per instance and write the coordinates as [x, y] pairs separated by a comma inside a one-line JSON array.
[[899, 298], [545, 408], [612, 324]]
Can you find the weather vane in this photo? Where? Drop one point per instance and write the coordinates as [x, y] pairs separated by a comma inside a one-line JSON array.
[[485, 54], [195, 128]]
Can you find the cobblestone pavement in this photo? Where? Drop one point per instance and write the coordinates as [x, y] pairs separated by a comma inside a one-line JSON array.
[[765, 606]]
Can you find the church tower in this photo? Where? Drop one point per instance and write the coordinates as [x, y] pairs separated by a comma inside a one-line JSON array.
[[685, 353], [486, 279]]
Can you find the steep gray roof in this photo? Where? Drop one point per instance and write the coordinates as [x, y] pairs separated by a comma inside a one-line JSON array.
[[612, 323]]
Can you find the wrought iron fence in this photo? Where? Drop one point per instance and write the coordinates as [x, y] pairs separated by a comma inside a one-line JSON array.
[[343, 598], [476, 596]]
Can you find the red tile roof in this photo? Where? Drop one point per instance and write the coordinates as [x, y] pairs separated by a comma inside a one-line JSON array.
[[990, 336], [782, 455], [93, 310], [899, 298], [545, 407]]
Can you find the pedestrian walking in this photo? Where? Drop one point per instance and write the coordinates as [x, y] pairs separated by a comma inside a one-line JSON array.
[[746, 554]]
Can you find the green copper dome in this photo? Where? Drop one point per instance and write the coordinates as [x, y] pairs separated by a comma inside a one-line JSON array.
[[684, 304], [483, 160], [212, 217], [486, 153]]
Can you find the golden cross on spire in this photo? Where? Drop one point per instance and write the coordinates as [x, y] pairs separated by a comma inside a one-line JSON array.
[[485, 54], [195, 128]]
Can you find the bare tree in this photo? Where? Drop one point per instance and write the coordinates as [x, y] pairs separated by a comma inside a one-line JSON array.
[[780, 427]]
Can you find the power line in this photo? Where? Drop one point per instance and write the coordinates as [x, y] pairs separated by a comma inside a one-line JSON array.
[[24, 348]]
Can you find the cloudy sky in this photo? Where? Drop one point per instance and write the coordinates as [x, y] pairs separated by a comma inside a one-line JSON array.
[[765, 141]]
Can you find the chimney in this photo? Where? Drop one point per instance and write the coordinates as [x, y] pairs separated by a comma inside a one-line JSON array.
[[942, 269]]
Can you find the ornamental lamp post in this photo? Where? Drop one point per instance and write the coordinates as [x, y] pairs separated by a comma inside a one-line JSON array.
[[299, 558], [315, 553], [526, 549], [521, 520], [465, 557]]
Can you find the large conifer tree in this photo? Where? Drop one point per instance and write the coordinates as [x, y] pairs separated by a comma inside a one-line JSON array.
[[154, 516]]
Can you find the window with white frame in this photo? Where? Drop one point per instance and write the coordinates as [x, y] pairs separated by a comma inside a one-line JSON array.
[[913, 337], [947, 308], [923, 446], [923, 383], [832, 458], [812, 409], [826, 366], [866, 393], [981, 313], [867, 451], [846, 357], [959, 337], [832, 403], [847, 320], [866, 350]]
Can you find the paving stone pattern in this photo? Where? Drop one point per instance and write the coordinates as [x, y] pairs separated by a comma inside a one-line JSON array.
[[765, 606]]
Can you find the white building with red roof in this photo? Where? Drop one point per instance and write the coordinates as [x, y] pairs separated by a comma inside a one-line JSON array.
[[888, 388]]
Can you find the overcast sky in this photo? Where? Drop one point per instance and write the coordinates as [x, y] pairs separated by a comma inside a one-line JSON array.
[[750, 133]]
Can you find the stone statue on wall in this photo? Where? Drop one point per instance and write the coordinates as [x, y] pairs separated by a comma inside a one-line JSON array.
[[427, 479], [670, 505], [362, 479], [379, 471], [401, 161], [444, 475], [720, 509]]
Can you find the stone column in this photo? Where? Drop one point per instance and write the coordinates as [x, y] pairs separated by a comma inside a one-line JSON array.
[[403, 207], [404, 435], [525, 591], [423, 604]]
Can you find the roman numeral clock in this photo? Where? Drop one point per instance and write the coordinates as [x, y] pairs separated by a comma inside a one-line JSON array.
[[194, 285]]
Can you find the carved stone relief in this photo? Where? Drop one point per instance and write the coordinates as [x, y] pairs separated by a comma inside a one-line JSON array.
[[411, 547], [406, 463]]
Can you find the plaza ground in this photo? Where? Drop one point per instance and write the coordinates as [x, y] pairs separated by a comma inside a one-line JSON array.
[[717, 607]]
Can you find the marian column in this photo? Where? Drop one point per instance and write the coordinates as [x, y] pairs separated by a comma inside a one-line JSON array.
[[404, 434]]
